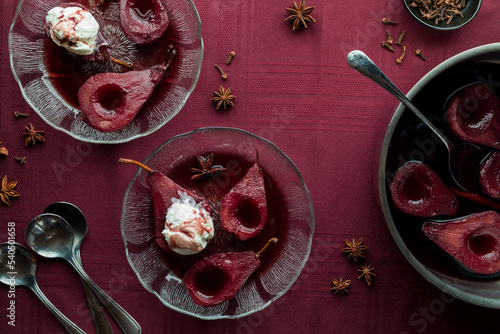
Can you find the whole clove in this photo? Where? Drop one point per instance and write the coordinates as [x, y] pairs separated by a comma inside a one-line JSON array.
[[230, 57], [18, 114], [439, 10], [418, 52]]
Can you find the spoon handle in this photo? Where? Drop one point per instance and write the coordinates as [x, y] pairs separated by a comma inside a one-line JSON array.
[[126, 323], [364, 65], [100, 321], [68, 324]]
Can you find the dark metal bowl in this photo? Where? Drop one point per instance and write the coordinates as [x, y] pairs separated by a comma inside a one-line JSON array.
[[469, 12], [405, 139]]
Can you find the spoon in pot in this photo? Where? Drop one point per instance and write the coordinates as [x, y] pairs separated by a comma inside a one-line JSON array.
[[74, 216], [18, 267], [51, 236], [457, 153]]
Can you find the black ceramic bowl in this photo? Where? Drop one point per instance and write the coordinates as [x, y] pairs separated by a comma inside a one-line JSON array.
[[469, 12]]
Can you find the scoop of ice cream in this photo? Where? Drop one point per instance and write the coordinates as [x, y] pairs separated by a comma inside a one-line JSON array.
[[73, 28], [188, 226]]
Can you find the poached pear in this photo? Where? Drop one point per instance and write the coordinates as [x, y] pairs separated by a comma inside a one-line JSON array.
[[474, 115], [473, 241], [110, 101], [419, 191], [244, 208], [143, 21], [163, 190], [218, 277], [489, 175]]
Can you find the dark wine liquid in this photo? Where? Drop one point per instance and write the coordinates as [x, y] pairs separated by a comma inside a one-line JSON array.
[[210, 281], [482, 244], [248, 213], [412, 140], [111, 97], [414, 190]]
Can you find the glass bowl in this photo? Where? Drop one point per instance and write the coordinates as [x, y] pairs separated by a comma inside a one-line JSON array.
[[290, 219], [407, 138], [49, 77], [469, 12]]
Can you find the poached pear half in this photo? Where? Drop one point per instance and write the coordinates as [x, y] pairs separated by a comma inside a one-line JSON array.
[[143, 21], [474, 115], [244, 208], [489, 175], [473, 241], [110, 101], [419, 191], [218, 277]]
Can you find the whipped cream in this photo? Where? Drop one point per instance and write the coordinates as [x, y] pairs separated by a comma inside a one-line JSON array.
[[73, 28], [188, 226]]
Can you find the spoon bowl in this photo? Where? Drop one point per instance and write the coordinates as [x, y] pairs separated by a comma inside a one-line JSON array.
[[75, 218], [18, 268], [51, 236], [456, 152], [24, 265]]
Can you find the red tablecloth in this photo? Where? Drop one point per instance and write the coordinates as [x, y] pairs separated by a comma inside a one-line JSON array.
[[295, 89]]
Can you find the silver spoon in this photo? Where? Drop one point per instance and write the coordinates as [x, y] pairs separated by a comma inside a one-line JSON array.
[[456, 152], [74, 216], [51, 236], [18, 267]]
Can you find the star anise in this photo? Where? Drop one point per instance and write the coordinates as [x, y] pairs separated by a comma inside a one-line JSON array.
[[32, 135], [367, 272], [206, 167], [340, 287], [223, 98], [355, 249], [8, 191], [300, 15]]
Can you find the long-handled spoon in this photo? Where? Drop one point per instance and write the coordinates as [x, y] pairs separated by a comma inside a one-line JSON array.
[[74, 216], [456, 152], [51, 236], [18, 267]]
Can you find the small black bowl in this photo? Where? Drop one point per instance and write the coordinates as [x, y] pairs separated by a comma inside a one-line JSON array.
[[469, 12]]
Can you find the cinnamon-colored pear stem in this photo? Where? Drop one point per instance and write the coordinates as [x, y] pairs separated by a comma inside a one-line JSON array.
[[120, 62], [272, 241], [133, 162]]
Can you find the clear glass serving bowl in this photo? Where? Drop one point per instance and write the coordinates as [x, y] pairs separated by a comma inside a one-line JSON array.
[[407, 138], [290, 219], [49, 77]]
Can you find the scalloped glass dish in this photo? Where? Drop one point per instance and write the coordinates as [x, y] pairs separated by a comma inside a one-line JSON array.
[[49, 77], [290, 219]]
